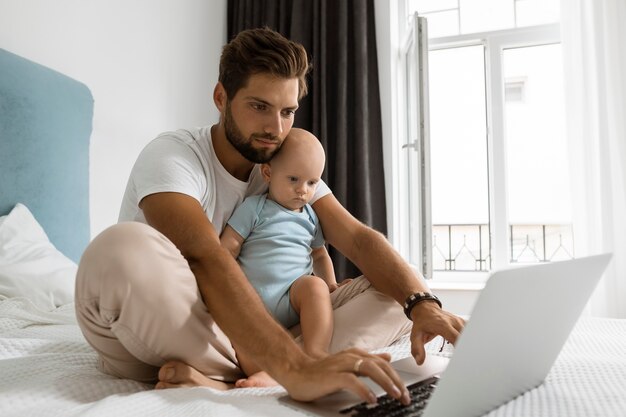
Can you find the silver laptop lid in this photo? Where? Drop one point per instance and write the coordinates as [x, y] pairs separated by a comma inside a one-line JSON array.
[[519, 324]]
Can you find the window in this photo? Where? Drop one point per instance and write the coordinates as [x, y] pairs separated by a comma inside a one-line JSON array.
[[499, 183], [458, 132], [536, 166]]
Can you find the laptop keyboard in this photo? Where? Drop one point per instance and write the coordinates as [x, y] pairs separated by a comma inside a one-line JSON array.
[[387, 406]]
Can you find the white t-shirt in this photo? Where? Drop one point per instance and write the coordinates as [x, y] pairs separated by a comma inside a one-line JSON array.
[[184, 161]]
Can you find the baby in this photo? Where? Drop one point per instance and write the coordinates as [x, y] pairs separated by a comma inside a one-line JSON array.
[[277, 240]]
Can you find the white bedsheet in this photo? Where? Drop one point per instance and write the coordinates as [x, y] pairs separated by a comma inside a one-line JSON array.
[[48, 369]]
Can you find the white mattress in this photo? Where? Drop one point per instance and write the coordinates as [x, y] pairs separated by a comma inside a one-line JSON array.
[[47, 369]]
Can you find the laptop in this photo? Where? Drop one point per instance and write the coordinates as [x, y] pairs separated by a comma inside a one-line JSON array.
[[517, 328]]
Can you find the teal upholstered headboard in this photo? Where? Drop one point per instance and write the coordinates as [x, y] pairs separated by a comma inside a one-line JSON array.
[[45, 126]]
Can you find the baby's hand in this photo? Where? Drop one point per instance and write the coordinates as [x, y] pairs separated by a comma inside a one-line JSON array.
[[334, 286], [345, 281]]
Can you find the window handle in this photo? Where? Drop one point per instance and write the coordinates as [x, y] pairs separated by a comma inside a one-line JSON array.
[[412, 145]]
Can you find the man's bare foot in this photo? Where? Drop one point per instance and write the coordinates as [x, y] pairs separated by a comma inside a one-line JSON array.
[[177, 374], [257, 380]]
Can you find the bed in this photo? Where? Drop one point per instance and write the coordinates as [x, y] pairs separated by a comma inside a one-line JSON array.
[[46, 366]]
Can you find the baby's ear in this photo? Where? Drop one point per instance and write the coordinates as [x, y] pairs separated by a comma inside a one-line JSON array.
[[266, 171]]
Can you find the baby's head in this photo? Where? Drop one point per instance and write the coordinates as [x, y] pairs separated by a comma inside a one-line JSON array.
[[294, 172]]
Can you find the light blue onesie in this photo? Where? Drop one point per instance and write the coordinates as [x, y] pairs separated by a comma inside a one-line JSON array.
[[276, 250]]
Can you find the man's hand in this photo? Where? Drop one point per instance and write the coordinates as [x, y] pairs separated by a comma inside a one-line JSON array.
[[317, 378], [429, 321]]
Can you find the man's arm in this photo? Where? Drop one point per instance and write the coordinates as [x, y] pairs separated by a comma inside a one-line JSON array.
[[323, 267], [238, 310], [370, 251]]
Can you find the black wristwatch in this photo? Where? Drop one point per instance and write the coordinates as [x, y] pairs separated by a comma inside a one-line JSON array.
[[414, 299]]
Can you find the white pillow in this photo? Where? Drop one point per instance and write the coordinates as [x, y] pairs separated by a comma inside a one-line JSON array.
[[30, 265]]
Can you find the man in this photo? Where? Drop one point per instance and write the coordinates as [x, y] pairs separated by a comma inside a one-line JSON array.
[[159, 298]]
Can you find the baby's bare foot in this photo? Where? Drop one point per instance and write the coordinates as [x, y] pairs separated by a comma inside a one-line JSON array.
[[259, 379], [177, 374]]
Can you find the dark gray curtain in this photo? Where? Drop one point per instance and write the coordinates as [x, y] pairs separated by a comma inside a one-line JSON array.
[[343, 105]]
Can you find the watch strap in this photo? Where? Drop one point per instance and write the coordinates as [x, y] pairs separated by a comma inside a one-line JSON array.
[[414, 299]]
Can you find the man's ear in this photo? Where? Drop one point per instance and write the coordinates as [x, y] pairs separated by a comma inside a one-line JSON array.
[[266, 171], [219, 97]]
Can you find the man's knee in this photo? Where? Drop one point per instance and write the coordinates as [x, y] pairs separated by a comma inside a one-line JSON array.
[[119, 239], [121, 251]]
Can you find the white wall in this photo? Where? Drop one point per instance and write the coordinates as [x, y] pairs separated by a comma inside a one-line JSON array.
[[151, 66]]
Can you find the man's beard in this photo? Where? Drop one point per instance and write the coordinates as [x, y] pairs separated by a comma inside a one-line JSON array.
[[243, 145]]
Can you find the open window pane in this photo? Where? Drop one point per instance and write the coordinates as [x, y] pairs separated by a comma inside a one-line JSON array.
[[459, 172], [537, 168]]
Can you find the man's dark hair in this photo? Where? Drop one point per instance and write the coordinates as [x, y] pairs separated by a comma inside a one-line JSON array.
[[262, 51]]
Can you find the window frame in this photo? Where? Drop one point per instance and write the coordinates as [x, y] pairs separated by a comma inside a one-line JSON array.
[[414, 156], [494, 42]]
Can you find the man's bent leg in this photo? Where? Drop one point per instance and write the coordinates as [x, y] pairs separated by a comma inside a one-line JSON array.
[[138, 305], [365, 318]]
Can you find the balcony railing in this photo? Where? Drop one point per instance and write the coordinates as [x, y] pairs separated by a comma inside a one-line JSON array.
[[467, 247]]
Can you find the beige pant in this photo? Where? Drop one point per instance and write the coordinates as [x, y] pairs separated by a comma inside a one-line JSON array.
[[138, 306]]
